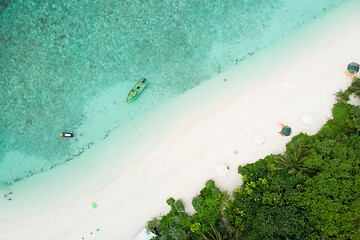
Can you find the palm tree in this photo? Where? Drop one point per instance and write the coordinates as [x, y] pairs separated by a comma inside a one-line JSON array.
[[215, 235], [152, 225], [343, 96], [228, 230], [355, 86], [293, 160], [231, 232]]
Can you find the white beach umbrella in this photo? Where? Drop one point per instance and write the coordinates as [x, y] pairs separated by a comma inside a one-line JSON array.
[[222, 170], [143, 235], [307, 119], [258, 139]]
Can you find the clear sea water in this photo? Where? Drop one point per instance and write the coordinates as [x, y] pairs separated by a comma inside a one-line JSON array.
[[68, 65]]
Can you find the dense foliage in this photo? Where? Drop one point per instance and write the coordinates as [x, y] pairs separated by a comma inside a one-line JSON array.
[[312, 191]]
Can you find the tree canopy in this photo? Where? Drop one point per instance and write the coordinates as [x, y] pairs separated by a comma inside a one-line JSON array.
[[312, 191]]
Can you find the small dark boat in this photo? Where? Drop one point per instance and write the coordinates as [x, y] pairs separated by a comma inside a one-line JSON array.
[[67, 135]]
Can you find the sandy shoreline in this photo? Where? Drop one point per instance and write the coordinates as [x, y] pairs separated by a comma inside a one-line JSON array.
[[207, 133]]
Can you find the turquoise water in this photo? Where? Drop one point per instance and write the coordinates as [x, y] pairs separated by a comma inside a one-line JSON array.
[[68, 65]]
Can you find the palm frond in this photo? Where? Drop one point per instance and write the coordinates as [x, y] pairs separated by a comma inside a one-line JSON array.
[[292, 160]]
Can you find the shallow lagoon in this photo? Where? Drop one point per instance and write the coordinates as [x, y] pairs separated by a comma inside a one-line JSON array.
[[68, 65]]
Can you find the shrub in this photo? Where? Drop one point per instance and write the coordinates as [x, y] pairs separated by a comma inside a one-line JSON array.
[[319, 199]]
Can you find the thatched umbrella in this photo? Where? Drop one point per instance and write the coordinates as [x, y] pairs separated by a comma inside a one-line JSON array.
[[286, 131], [353, 67]]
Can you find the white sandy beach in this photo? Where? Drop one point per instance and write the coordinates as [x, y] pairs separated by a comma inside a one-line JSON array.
[[182, 145]]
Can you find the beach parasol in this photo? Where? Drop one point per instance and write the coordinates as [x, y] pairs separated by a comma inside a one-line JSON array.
[[258, 139], [222, 170], [353, 67], [144, 235], [286, 131], [307, 118]]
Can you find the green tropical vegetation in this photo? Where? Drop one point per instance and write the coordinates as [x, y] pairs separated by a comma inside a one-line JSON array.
[[312, 191]]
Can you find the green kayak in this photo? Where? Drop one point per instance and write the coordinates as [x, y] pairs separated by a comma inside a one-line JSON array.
[[137, 89]]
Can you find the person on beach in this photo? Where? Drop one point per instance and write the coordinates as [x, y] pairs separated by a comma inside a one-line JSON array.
[[6, 195]]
